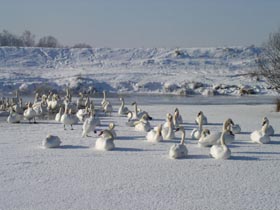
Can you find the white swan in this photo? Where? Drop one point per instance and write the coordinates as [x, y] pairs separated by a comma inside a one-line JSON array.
[[51, 142], [29, 113], [138, 113], [58, 115], [220, 151], [13, 117], [270, 129], [123, 110], [204, 118], [261, 136], [209, 139], [111, 129], [196, 132], [105, 141], [179, 150], [154, 135], [107, 108], [168, 130], [89, 125], [177, 119], [143, 124], [68, 119]]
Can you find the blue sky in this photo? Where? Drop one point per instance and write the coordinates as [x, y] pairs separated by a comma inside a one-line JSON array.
[[145, 23]]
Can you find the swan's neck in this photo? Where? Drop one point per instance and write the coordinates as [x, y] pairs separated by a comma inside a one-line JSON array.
[[183, 137], [264, 127], [122, 105], [135, 109], [226, 126], [200, 123], [104, 95], [223, 141]]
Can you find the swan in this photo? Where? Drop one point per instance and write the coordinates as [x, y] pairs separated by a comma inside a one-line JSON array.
[[204, 118], [105, 141], [220, 151], [168, 131], [196, 133], [261, 136], [138, 113], [143, 124], [123, 110], [107, 108], [154, 135], [13, 117], [89, 125], [179, 150], [58, 115], [270, 129], [166, 124], [177, 119], [68, 119], [130, 122], [29, 113], [51, 141], [209, 139], [111, 129]]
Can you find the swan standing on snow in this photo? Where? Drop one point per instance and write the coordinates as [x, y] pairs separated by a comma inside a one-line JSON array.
[[29, 113], [261, 136], [204, 118], [177, 119], [143, 124], [196, 133], [168, 130], [220, 151], [123, 110], [13, 117], [154, 135], [89, 125], [105, 141], [51, 142], [68, 119], [179, 150], [270, 130]]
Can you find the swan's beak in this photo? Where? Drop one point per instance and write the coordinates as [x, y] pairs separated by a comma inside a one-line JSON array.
[[100, 133]]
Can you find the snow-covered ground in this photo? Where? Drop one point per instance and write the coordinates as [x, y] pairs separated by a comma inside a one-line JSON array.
[[138, 174], [190, 71]]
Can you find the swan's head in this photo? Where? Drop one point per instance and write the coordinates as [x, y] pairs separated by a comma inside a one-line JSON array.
[[111, 126], [145, 117], [229, 121], [206, 132], [176, 110], [265, 120], [105, 133], [169, 117], [200, 113], [180, 128], [134, 103]]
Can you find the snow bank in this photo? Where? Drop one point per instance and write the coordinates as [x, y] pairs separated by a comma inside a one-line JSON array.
[[188, 71]]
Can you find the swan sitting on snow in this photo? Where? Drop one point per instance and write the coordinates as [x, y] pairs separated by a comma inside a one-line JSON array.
[[270, 130], [138, 113], [51, 142], [220, 151], [13, 117], [196, 133], [143, 124], [204, 118], [154, 135], [123, 110], [209, 139], [111, 129], [89, 125], [179, 150], [29, 113], [261, 136], [105, 141]]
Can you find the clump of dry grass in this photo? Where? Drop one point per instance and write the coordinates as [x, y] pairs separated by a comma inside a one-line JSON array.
[[278, 105]]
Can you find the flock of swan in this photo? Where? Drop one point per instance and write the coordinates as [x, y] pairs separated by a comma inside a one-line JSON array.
[[69, 113]]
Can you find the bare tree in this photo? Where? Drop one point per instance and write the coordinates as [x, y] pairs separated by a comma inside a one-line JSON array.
[[82, 45], [48, 41], [269, 61], [28, 39]]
